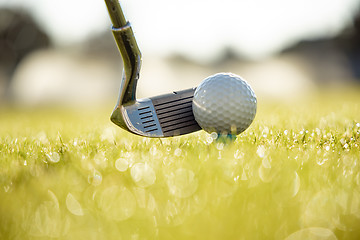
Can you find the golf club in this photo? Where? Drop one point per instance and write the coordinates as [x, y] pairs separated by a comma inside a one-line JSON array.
[[165, 115]]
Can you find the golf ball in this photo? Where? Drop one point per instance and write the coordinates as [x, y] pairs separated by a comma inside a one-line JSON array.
[[224, 103]]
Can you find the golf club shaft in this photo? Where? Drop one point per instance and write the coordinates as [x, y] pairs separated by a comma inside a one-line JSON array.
[[116, 14], [129, 50]]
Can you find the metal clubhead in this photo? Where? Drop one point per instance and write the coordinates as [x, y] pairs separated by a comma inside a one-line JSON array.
[[160, 116]]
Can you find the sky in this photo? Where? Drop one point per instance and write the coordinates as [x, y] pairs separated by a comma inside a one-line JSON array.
[[199, 29]]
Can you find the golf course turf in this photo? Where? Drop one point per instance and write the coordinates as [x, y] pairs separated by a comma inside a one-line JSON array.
[[294, 174]]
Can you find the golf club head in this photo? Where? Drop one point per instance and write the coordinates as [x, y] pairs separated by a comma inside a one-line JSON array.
[[161, 116], [166, 115]]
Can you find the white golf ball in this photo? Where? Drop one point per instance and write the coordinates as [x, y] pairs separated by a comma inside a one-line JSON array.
[[224, 103]]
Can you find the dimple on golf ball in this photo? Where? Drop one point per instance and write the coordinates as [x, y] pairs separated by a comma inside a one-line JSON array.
[[224, 103]]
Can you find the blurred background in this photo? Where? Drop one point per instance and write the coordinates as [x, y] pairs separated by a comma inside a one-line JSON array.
[[63, 53]]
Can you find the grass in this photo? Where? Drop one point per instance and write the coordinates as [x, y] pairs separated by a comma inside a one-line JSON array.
[[294, 174]]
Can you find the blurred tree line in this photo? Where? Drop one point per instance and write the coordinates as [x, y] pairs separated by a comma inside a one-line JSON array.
[[342, 50], [19, 36]]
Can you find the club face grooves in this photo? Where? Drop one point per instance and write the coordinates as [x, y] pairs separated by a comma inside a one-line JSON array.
[[174, 112], [147, 120]]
